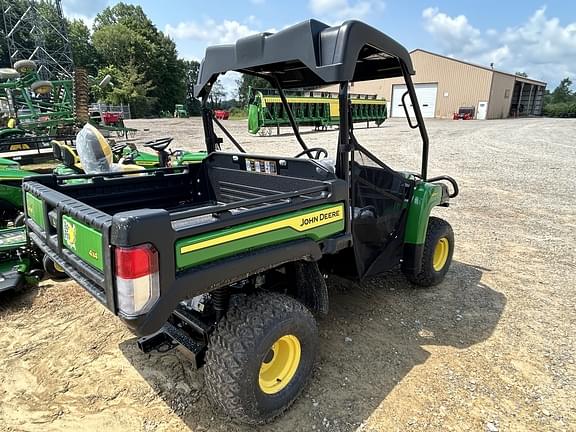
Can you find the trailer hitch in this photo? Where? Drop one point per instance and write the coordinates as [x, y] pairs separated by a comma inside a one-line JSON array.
[[170, 337]]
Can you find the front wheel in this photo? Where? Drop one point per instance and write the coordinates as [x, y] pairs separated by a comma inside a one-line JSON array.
[[54, 271], [437, 255], [260, 356]]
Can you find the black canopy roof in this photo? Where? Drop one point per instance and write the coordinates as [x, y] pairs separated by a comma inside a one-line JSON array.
[[310, 53]]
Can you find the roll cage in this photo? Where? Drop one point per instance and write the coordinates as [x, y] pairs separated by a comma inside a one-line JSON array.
[[309, 54]]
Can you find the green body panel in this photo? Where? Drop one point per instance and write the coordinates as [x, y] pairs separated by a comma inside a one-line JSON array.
[[15, 174], [146, 159], [12, 195], [12, 192], [11, 238], [8, 163], [35, 209], [267, 238], [254, 123], [83, 241], [191, 157], [425, 197]]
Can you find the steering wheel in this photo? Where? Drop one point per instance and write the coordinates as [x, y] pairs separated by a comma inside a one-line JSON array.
[[117, 148], [319, 151], [159, 144]]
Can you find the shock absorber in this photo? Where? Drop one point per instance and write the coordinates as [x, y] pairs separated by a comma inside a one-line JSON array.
[[220, 297]]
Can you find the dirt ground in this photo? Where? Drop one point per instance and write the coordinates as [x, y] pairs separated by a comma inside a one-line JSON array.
[[491, 348]]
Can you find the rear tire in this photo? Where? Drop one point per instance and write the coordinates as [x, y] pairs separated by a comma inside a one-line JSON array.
[[437, 256], [260, 356]]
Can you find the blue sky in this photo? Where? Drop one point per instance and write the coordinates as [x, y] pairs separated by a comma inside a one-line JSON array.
[[532, 36]]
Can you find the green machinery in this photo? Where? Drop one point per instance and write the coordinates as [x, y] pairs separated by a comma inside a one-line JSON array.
[[310, 108], [180, 111], [48, 108], [41, 107]]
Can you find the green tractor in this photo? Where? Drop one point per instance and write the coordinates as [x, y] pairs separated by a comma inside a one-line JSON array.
[[226, 258], [180, 111]]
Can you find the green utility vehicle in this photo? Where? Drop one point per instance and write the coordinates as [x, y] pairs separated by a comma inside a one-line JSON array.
[[227, 258]]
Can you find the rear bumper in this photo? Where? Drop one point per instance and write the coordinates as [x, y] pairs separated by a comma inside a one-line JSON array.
[[195, 281], [86, 283], [206, 278]]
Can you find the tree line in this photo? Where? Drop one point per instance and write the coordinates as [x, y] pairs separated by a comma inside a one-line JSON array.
[[148, 74], [123, 42], [561, 102]]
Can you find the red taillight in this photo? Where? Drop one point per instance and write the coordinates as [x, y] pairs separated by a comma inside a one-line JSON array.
[[137, 261]]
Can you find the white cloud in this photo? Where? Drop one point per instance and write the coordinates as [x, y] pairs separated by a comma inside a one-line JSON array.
[[541, 46], [88, 20], [336, 11], [453, 33], [210, 31], [83, 7], [83, 10]]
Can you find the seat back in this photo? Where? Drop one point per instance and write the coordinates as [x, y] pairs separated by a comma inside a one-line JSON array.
[[69, 156], [93, 150], [56, 150]]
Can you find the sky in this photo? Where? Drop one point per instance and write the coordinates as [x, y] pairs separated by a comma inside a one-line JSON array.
[[529, 36]]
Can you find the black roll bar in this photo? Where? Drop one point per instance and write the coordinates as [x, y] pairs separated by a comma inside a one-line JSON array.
[[419, 119], [290, 115]]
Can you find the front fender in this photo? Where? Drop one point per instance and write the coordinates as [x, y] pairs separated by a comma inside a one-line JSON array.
[[425, 197]]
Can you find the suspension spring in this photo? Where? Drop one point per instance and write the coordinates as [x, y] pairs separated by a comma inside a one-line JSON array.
[[220, 299]]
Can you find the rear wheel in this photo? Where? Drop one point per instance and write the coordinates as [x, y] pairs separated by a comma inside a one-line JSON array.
[[260, 356], [437, 256]]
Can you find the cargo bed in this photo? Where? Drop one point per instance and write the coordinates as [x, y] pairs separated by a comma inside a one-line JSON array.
[[251, 202]]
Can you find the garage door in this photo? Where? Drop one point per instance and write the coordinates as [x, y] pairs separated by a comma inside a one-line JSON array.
[[426, 94]]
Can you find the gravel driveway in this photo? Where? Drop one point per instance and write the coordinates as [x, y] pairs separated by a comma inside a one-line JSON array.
[[491, 348]]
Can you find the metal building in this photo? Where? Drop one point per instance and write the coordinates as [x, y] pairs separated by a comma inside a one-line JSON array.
[[444, 85]]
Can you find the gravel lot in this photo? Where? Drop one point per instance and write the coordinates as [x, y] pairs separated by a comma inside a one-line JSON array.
[[491, 348]]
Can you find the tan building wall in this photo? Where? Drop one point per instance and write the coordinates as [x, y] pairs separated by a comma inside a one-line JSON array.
[[500, 96], [460, 84], [453, 91]]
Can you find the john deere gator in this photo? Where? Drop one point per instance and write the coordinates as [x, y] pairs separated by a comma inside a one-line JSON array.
[[226, 258]]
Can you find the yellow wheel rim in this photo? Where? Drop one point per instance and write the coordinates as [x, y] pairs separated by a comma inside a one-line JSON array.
[[280, 364], [58, 268], [440, 254]]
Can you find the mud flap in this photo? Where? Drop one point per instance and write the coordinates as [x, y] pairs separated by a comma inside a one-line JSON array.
[[311, 287]]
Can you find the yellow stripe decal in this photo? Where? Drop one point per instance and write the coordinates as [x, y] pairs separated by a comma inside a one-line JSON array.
[[310, 100], [299, 223]]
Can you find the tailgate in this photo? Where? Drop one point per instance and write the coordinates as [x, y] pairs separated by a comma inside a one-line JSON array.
[[74, 235]]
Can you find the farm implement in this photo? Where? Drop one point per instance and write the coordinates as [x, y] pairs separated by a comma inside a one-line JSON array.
[[53, 108], [311, 108]]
